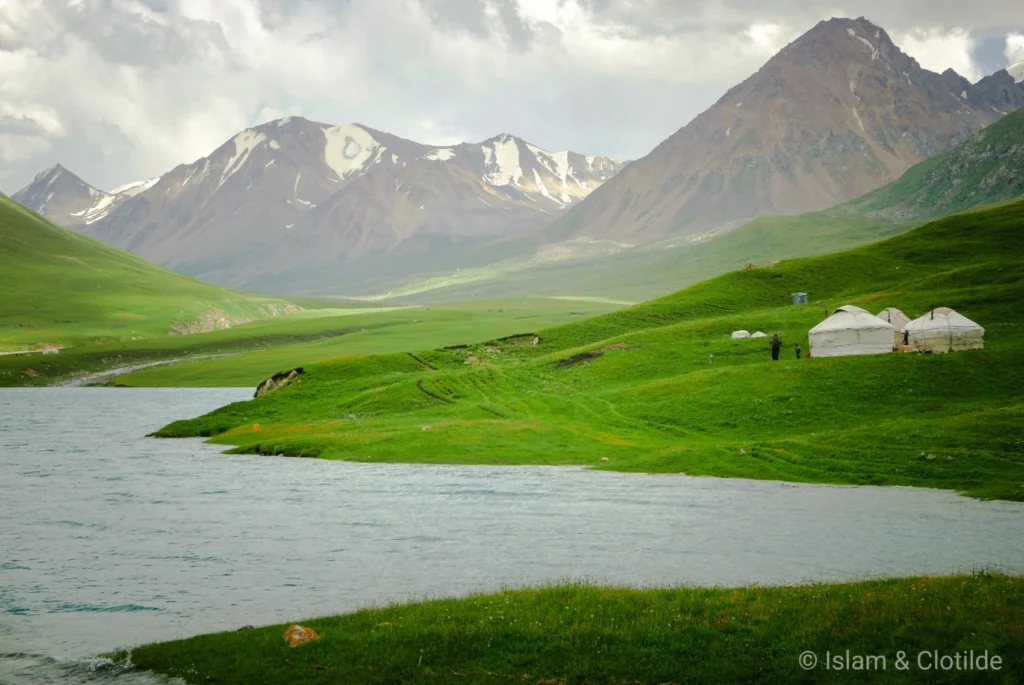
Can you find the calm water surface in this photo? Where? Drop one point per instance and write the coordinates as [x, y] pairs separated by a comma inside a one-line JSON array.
[[111, 539]]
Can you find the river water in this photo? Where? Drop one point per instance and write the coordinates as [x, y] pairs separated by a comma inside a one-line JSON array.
[[111, 539]]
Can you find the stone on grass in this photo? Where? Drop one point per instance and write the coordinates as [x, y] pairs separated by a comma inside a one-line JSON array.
[[297, 635]]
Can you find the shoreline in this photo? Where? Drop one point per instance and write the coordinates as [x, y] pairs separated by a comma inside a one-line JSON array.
[[577, 632], [114, 372]]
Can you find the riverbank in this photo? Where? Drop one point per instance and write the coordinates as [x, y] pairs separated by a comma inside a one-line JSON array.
[[663, 387], [578, 633]]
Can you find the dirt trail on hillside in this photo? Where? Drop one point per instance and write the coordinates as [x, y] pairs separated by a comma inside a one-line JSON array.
[[100, 376]]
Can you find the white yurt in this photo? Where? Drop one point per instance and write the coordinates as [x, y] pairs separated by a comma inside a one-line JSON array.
[[851, 330], [943, 330], [897, 320], [740, 335], [759, 334]]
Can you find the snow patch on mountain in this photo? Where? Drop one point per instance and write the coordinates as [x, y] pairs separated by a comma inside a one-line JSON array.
[[245, 142], [134, 188], [856, 116], [98, 210], [1016, 71], [505, 168], [555, 162], [543, 188], [348, 148], [871, 46], [439, 155]]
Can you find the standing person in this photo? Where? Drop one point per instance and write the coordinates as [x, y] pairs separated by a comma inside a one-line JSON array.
[[798, 350], [776, 347]]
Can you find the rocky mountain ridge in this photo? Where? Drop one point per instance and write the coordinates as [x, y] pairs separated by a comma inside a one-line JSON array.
[[291, 194], [837, 113]]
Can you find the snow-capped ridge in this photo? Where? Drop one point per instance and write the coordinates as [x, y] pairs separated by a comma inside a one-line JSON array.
[[1016, 72]]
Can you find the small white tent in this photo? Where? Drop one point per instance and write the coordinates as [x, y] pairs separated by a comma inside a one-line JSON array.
[[851, 330], [898, 320], [740, 335], [943, 330], [759, 334]]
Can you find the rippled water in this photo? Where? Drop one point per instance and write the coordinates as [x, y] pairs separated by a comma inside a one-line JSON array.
[[111, 539]]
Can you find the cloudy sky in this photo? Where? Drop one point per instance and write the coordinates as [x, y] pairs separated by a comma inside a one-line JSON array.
[[121, 90]]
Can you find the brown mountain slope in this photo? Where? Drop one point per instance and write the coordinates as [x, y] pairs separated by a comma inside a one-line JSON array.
[[275, 203], [838, 112]]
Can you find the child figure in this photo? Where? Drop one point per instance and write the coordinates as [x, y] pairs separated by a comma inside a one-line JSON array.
[[798, 350]]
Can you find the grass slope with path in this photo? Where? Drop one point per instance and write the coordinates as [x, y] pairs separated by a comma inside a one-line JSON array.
[[576, 634], [61, 288], [661, 387], [264, 347]]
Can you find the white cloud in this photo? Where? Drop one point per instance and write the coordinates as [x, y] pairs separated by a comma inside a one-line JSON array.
[[139, 86], [938, 49], [1015, 48]]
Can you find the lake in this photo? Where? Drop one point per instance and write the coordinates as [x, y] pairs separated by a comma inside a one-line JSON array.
[[112, 539]]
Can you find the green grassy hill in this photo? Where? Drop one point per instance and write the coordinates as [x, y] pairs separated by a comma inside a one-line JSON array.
[[985, 169], [62, 288], [662, 387]]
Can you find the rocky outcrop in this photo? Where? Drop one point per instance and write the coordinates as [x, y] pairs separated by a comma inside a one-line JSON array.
[[277, 381], [297, 635], [216, 319], [987, 168]]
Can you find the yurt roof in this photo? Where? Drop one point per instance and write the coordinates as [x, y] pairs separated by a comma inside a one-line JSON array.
[[942, 317], [894, 316], [848, 317]]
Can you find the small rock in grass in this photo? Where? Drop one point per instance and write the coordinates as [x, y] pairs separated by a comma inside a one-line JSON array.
[[742, 451], [604, 458], [297, 635], [426, 428]]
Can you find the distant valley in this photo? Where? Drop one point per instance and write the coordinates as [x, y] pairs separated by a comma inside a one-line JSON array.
[[294, 206]]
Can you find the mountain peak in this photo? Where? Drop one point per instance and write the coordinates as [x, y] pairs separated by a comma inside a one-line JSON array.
[[838, 112], [51, 173], [841, 38]]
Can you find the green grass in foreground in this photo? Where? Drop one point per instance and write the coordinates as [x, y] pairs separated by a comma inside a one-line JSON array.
[[62, 288], [661, 387], [580, 634]]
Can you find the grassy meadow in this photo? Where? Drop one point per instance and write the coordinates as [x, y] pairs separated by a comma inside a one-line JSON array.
[[661, 387], [261, 348], [574, 634]]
